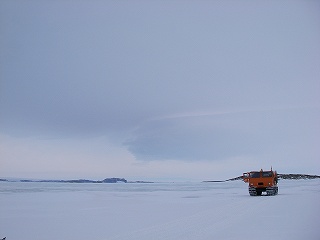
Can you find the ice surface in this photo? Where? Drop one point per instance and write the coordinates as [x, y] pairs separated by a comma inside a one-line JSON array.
[[177, 211]]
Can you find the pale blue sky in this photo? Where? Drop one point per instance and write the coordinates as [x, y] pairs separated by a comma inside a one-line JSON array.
[[158, 89]]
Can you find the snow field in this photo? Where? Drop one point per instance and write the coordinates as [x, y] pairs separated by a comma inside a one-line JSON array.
[[201, 211]]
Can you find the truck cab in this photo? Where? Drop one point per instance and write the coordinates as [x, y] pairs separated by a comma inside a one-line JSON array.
[[261, 181]]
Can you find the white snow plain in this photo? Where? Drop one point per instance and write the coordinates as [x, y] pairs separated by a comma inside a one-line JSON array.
[[177, 211]]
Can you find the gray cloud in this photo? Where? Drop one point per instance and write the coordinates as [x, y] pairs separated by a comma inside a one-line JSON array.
[[228, 135]]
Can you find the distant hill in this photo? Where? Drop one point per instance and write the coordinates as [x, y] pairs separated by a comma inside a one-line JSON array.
[[290, 176], [114, 180], [297, 176], [106, 180]]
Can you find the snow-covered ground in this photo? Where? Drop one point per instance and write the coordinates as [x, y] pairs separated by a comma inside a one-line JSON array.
[[177, 211]]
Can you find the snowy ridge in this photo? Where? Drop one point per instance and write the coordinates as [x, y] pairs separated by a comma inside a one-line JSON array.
[[280, 176], [297, 176]]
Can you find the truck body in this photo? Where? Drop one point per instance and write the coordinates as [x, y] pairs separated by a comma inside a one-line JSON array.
[[261, 181]]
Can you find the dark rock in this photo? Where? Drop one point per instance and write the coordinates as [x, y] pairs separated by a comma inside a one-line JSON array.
[[297, 176], [114, 180]]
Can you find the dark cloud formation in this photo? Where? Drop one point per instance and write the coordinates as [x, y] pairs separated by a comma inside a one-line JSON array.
[[277, 132]]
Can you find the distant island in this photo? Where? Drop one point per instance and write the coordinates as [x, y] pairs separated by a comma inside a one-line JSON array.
[[280, 176], [106, 180], [297, 176]]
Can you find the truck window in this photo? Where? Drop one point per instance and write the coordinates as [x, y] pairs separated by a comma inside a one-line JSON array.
[[255, 174], [267, 174]]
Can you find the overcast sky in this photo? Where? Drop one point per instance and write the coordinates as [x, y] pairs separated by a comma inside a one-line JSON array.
[[149, 90]]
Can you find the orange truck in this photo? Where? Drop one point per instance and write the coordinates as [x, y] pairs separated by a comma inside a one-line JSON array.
[[261, 181]]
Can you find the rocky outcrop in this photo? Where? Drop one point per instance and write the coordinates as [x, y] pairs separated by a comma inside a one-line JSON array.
[[297, 176], [114, 180], [291, 176]]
